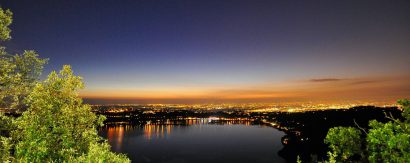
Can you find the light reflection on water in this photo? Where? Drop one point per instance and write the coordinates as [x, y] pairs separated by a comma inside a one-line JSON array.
[[115, 134], [195, 140], [157, 131]]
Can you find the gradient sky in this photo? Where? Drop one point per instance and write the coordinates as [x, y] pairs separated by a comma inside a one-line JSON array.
[[195, 51]]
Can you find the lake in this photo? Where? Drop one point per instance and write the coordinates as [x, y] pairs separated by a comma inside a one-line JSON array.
[[196, 141]]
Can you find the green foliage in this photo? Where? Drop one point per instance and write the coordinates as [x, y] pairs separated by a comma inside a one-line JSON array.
[[6, 143], [56, 126], [18, 73], [344, 141], [6, 124], [385, 142], [18, 76], [100, 152], [298, 160], [390, 142], [5, 149], [332, 157], [6, 18], [405, 106]]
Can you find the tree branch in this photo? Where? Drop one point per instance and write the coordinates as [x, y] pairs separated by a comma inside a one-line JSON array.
[[359, 126]]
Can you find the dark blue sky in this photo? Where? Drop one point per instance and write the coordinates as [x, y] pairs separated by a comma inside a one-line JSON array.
[[197, 48]]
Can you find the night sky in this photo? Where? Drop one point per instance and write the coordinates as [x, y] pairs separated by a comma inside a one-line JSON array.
[[197, 51]]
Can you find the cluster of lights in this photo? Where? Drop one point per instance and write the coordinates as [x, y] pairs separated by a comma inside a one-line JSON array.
[[229, 108]]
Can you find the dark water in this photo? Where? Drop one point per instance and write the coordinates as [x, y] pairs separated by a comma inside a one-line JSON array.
[[196, 141]]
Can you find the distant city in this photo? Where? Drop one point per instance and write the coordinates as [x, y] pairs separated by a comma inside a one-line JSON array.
[[248, 107]]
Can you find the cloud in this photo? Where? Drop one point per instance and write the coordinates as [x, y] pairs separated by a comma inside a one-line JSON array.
[[345, 80], [321, 80]]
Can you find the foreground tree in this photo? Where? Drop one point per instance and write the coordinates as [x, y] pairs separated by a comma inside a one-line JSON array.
[[390, 142], [384, 142], [57, 126], [344, 142], [18, 76], [18, 73]]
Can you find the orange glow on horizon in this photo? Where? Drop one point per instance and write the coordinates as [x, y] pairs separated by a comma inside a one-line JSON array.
[[363, 88]]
